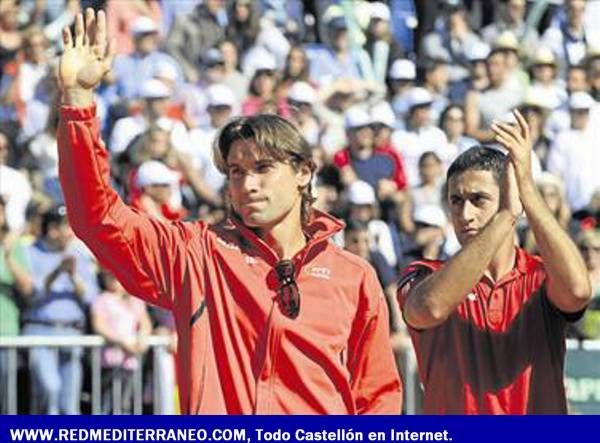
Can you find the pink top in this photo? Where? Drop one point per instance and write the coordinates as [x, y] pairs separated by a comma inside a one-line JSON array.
[[122, 315]]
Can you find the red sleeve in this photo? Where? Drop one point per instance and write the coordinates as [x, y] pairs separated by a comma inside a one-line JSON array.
[[399, 171], [375, 382], [412, 274], [341, 158], [146, 255]]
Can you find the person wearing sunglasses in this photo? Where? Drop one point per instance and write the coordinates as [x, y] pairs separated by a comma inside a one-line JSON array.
[[272, 318]]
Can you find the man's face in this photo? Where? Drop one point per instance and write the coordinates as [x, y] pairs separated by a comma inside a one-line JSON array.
[[158, 106], [357, 242], [579, 118], [473, 199], [496, 65], [263, 192], [438, 77], [219, 115], [146, 43], [576, 81], [420, 116], [361, 138], [60, 234], [361, 212]]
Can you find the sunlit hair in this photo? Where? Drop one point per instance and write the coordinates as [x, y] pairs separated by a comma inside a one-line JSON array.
[[275, 138]]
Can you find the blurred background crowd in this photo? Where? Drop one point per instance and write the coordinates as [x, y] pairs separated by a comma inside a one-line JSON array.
[[387, 93]]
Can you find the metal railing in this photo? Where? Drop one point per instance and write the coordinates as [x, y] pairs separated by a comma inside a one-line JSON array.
[[93, 343], [159, 344]]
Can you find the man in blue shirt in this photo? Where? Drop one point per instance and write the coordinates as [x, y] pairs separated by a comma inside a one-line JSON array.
[[64, 282]]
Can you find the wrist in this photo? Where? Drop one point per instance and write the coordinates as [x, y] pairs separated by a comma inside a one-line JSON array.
[[78, 97]]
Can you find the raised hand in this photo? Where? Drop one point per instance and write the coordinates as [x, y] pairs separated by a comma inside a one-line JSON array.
[[517, 140], [510, 199], [86, 58]]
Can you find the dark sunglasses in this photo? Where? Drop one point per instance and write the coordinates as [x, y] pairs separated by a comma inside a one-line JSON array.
[[289, 294]]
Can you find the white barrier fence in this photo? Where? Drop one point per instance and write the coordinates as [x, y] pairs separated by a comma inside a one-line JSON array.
[[159, 345], [93, 344]]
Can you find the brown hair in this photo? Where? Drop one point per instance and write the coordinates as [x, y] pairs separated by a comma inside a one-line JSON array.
[[276, 138]]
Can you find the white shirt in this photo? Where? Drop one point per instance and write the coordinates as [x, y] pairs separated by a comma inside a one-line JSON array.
[[45, 149], [16, 191], [413, 144], [575, 158], [201, 142], [126, 129]]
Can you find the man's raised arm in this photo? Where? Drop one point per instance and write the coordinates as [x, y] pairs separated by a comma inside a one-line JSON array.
[[145, 254]]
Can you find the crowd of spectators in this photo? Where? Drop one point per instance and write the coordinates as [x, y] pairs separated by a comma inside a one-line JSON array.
[[386, 93]]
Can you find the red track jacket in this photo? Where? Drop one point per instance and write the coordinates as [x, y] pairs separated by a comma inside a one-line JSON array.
[[238, 353]]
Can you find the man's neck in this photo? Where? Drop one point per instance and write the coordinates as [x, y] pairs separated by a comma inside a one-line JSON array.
[[503, 262], [286, 238]]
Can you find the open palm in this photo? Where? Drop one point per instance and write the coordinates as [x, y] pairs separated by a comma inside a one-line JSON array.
[[88, 56]]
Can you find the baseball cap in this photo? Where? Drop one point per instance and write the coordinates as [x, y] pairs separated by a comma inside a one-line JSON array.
[[167, 70], [356, 117], [337, 23], [361, 193], [259, 59], [431, 215], [153, 89], [143, 25], [581, 100], [302, 92], [381, 11], [478, 51], [155, 173], [382, 113], [220, 95], [419, 97], [403, 69]]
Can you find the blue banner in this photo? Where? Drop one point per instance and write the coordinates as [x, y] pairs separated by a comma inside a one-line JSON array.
[[299, 429]]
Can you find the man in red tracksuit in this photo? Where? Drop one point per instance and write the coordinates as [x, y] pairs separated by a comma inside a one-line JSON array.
[[272, 318], [489, 324]]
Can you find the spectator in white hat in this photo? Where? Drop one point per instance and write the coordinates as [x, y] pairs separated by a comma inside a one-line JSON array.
[[301, 98], [382, 168], [364, 207], [156, 98], [420, 135], [381, 46], [221, 107], [402, 76], [121, 18], [158, 183], [144, 62], [544, 81], [574, 156], [262, 96]]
